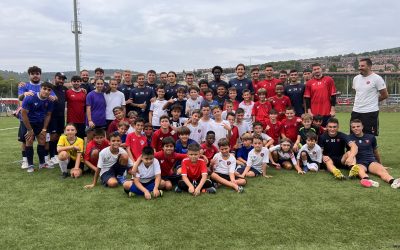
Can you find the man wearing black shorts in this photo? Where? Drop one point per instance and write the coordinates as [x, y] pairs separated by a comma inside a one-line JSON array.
[[337, 150], [370, 90]]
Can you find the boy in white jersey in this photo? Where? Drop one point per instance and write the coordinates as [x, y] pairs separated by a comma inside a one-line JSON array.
[[222, 128], [257, 160], [247, 105], [224, 164], [194, 102], [196, 130], [147, 176], [156, 108], [310, 154]]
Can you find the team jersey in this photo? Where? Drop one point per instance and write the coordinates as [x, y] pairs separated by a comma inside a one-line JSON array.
[[140, 96], [147, 174], [221, 100], [235, 105], [76, 103], [209, 152], [280, 104], [214, 85], [136, 143], [295, 92], [63, 142], [167, 163], [158, 111], [196, 132], [302, 131], [37, 107], [241, 85], [107, 159], [177, 123], [320, 92], [261, 111], [314, 153], [212, 104], [194, 171], [59, 104], [273, 130], [31, 87], [97, 104], [88, 87], [153, 86], [113, 126], [243, 152], [234, 137], [92, 145], [257, 159], [283, 156], [366, 145], [158, 136], [243, 127], [180, 148], [224, 166], [334, 146], [220, 130], [269, 86], [290, 127], [193, 104], [248, 110], [126, 90], [171, 91]]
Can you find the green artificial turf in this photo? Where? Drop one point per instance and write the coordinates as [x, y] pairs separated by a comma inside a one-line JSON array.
[[288, 211]]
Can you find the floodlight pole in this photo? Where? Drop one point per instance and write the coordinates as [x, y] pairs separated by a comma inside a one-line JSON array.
[[76, 30]]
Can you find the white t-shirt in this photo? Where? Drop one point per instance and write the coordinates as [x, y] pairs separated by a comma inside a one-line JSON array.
[[130, 129], [158, 111], [220, 131], [315, 153], [242, 128], [146, 174], [225, 114], [193, 104], [113, 99], [207, 126], [224, 166], [289, 156], [256, 160], [367, 92], [108, 159], [196, 133], [248, 108]]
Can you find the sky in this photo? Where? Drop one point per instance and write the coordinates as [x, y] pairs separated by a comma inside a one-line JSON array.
[[188, 34]]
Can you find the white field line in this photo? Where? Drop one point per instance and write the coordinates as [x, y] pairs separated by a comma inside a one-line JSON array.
[[2, 129]]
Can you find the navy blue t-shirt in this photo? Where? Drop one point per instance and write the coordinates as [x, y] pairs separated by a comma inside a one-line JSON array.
[[59, 105], [335, 146], [214, 85], [241, 85], [170, 91], [179, 148], [366, 145], [126, 89], [139, 96], [295, 93], [243, 152], [221, 100], [38, 108]]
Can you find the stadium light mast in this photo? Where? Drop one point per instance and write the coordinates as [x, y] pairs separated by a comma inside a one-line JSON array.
[[76, 28]]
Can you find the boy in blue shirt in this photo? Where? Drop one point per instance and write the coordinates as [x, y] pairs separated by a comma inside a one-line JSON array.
[[36, 114], [184, 140], [243, 152]]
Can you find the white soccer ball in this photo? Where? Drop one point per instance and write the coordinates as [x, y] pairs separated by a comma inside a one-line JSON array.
[[312, 167]]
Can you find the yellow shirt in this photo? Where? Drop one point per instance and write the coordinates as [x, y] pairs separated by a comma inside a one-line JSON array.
[[63, 142]]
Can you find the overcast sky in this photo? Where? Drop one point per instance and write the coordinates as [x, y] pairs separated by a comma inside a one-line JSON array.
[[190, 34]]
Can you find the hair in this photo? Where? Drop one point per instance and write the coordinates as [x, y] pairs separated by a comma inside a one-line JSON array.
[[189, 74], [221, 85], [84, 70], [367, 60], [117, 108], [230, 114], [232, 89], [268, 66], [205, 105], [307, 70], [246, 91], [239, 111], [286, 140], [210, 133], [216, 107], [123, 123], [161, 86], [306, 116], [262, 91], [196, 111], [99, 70], [257, 137], [151, 71], [98, 80], [273, 112], [223, 142], [315, 65], [311, 136], [240, 64], [215, 68], [333, 120], [194, 147], [34, 69], [317, 118], [115, 134], [228, 101], [70, 124], [280, 85], [205, 92], [139, 119], [254, 69], [140, 74], [132, 113], [193, 88], [172, 72], [76, 78], [247, 136], [168, 140], [257, 124], [181, 90], [164, 117], [355, 121], [147, 151], [203, 81], [290, 108], [183, 131], [293, 71], [148, 125], [283, 72], [46, 85], [99, 132], [163, 73], [176, 107], [127, 71]]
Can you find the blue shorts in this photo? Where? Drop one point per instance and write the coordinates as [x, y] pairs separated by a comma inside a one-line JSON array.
[[113, 172], [37, 128], [366, 163], [149, 186], [255, 171]]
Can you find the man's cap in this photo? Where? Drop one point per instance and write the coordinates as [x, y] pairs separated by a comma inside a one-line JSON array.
[[61, 75]]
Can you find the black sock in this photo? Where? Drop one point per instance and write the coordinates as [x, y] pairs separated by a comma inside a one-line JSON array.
[[391, 181], [29, 154], [41, 151], [23, 153], [366, 178], [52, 148]]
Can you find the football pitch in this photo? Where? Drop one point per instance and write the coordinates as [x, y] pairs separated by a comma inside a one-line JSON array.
[[288, 211]]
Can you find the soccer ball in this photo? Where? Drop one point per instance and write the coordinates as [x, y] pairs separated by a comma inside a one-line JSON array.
[[312, 167], [75, 173]]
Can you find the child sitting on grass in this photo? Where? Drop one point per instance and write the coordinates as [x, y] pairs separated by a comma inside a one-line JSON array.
[[243, 152], [194, 174], [310, 154], [224, 165], [282, 155], [147, 176], [258, 130]]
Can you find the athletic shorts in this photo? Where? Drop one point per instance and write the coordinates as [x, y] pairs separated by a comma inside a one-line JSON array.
[[71, 164], [369, 120], [337, 162], [113, 172], [37, 128], [255, 171], [227, 177], [309, 160], [366, 163], [56, 125], [172, 178]]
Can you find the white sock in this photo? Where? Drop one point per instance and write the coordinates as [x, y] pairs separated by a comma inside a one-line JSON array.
[[63, 166], [46, 158], [24, 159]]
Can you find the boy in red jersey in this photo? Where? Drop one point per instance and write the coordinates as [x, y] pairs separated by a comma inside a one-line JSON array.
[[280, 102], [261, 108], [76, 102], [273, 127], [208, 148], [269, 82], [234, 139], [290, 125], [92, 151], [136, 141], [232, 93], [119, 116], [194, 174], [164, 131]]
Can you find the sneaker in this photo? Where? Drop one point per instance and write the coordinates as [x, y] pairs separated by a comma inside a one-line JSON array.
[[354, 172], [338, 174], [49, 163], [374, 183], [54, 160], [43, 165], [131, 194], [24, 165], [121, 179], [369, 183], [396, 183], [64, 175], [30, 169], [211, 190], [161, 193], [178, 190], [240, 189]]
